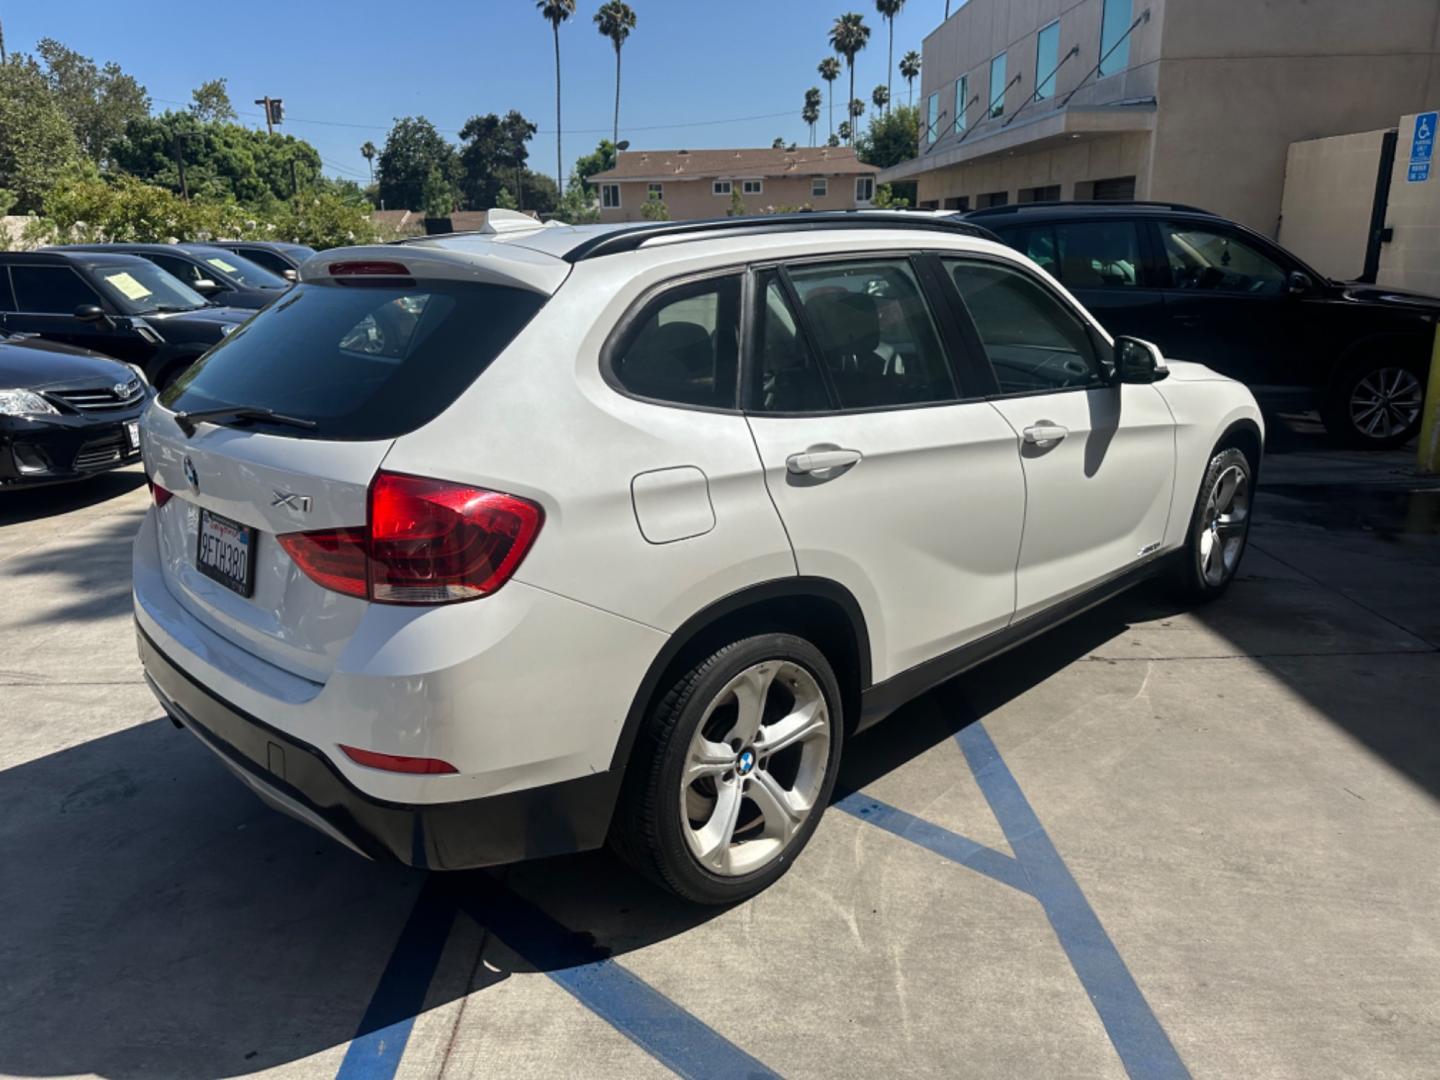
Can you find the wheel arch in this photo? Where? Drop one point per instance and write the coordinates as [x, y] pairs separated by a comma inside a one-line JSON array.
[[1246, 436], [1417, 343], [819, 609]]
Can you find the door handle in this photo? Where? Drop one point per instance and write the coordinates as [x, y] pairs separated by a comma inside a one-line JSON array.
[[1045, 433], [821, 462]]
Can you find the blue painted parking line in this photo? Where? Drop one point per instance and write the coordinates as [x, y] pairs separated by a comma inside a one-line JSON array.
[[1144, 1048], [993, 864], [375, 1051]]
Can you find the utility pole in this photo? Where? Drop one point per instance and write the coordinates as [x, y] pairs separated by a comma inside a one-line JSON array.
[[274, 111], [294, 180], [180, 164]]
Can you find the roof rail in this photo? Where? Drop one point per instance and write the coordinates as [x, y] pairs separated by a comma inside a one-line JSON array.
[[631, 239], [1015, 208]]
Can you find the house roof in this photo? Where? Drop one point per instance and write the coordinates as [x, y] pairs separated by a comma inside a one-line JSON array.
[[734, 164]]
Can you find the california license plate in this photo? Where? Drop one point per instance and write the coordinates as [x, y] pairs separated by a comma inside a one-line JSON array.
[[225, 552], [132, 434]]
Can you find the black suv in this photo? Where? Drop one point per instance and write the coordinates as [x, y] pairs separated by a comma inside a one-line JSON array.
[[1207, 289], [221, 276], [276, 256], [118, 305]]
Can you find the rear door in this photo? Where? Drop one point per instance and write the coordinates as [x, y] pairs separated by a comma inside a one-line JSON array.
[[1098, 456], [363, 362], [892, 476]]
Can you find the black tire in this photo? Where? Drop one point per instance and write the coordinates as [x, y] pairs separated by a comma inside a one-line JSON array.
[[648, 831], [1347, 420], [1193, 583]]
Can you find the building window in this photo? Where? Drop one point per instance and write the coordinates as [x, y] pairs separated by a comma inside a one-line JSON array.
[[992, 198], [1048, 193], [932, 118], [1114, 24], [997, 86], [720, 187], [655, 191], [1113, 189], [864, 188], [819, 187], [610, 196], [958, 202], [752, 187], [1047, 58], [962, 95]]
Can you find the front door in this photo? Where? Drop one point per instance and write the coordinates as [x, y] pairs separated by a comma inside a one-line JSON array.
[[888, 480], [1098, 456], [46, 297]]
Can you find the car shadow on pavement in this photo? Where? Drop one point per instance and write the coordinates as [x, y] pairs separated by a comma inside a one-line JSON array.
[[18, 505]]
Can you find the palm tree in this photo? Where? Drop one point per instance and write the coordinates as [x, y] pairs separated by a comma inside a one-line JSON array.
[[888, 9], [811, 113], [848, 36], [857, 110], [880, 96], [368, 153], [910, 71], [844, 132], [556, 12], [615, 20], [830, 71]]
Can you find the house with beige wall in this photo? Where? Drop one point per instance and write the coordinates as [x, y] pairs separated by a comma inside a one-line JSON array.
[[1179, 100], [696, 184]]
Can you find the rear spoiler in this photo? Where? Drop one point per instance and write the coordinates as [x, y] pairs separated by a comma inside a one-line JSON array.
[[473, 259]]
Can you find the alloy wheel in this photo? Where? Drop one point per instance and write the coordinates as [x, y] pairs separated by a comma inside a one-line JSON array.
[[755, 767], [1386, 402], [1227, 513]]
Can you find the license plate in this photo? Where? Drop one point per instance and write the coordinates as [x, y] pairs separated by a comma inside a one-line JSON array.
[[225, 552], [132, 433]]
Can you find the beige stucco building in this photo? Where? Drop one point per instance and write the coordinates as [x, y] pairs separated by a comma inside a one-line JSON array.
[[1195, 101], [697, 184]]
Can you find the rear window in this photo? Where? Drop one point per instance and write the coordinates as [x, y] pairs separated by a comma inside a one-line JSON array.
[[367, 361]]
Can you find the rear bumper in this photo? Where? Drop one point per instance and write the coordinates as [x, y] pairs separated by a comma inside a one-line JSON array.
[[297, 778]]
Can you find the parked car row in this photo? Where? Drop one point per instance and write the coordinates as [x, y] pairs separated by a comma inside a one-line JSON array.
[[86, 331], [1207, 289]]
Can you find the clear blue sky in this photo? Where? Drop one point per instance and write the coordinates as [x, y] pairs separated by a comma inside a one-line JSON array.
[[690, 68]]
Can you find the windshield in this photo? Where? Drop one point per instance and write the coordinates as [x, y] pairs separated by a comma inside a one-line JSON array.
[[362, 361], [142, 288], [240, 269]]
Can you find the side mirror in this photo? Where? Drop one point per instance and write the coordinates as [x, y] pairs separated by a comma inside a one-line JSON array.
[[91, 313], [205, 286], [1139, 361], [290, 276], [1298, 283]]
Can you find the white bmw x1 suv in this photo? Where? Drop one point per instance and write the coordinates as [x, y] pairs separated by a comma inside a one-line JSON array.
[[493, 546]]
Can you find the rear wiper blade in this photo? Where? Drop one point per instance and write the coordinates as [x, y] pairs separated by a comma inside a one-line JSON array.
[[186, 421]]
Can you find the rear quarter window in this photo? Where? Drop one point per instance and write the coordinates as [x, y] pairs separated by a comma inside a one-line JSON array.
[[371, 361]]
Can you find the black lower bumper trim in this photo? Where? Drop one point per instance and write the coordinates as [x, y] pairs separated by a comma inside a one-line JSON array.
[[550, 820]]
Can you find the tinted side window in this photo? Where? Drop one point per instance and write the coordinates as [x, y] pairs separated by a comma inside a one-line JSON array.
[[875, 333], [1210, 260], [53, 290], [268, 259], [1035, 242], [183, 269], [684, 347], [790, 375], [1098, 254], [7, 298], [1035, 343]]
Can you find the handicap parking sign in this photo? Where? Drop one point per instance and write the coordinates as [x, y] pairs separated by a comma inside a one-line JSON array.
[[1422, 148]]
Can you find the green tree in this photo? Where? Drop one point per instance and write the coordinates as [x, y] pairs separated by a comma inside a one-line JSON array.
[[222, 161], [891, 138], [615, 20], [881, 97], [601, 159], [211, 103], [844, 132], [848, 36], [577, 206], [504, 200], [888, 9], [98, 102], [833, 141], [419, 170], [857, 110], [37, 142], [542, 194], [556, 12], [887, 198], [910, 70], [829, 70], [517, 132], [810, 114], [492, 148], [737, 201], [655, 209]]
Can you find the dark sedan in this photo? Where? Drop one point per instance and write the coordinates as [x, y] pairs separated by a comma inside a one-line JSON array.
[[278, 257], [119, 305], [65, 414], [221, 276]]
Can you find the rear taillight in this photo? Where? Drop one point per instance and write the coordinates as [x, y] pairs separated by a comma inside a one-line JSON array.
[[426, 542], [402, 763], [159, 494], [368, 268]]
